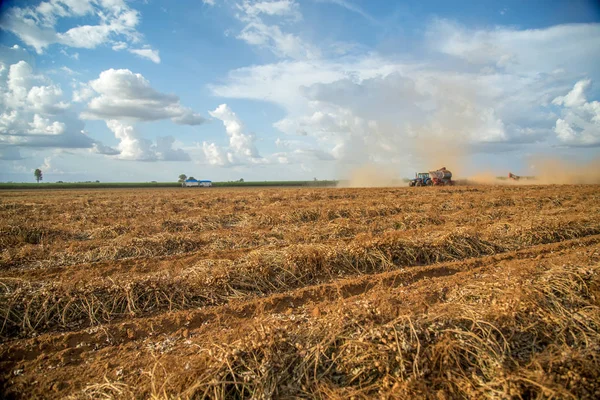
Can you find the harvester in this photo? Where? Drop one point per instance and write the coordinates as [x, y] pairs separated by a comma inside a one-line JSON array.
[[513, 176], [432, 178]]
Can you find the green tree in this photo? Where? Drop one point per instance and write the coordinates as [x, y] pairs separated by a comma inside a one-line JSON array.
[[182, 177], [192, 178], [38, 175]]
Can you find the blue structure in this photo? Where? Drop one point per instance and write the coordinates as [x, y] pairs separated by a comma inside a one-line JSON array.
[[196, 183]]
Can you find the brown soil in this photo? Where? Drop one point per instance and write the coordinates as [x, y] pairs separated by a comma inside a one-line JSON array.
[[330, 293]]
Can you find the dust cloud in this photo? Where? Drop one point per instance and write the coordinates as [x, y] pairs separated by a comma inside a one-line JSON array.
[[371, 175], [554, 171], [546, 170], [543, 170]]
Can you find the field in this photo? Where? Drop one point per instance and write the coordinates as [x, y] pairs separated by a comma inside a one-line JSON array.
[[439, 293]]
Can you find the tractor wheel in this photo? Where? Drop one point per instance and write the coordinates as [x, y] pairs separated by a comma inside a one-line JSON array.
[[430, 183], [419, 184]]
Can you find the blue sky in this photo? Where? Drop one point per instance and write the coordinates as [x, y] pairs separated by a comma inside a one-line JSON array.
[[117, 90]]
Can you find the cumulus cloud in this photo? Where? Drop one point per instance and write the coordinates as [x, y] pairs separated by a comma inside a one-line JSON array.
[[23, 129], [241, 149], [579, 124], [477, 90], [133, 147], [22, 91], [124, 95], [43, 126], [576, 97], [37, 25], [82, 92], [33, 114], [377, 111]]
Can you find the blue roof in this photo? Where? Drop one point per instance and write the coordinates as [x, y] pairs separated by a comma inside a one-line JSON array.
[[191, 180], [205, 181]]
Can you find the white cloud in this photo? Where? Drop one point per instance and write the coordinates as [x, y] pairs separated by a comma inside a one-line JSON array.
[[372, 107], [209, 2], [33, 113], [74, 56], [580, 122], [148, 53], [216, 155], [285, 8], [36, 26], [133, 147], [68, 70], [43, 126], [86, 37], [282, 44], [270, 36], [21, 91], [241, 148], [46, 99], [82, 92], [41, 132], [20, 80], [576, 97], [165, 150], [520, 50], [124, 95], [48, 167], [117, 46]]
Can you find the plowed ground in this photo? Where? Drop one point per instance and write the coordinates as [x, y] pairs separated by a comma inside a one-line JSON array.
[[462, 292]]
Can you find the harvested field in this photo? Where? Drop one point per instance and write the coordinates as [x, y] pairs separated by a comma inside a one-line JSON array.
[[441, 293]]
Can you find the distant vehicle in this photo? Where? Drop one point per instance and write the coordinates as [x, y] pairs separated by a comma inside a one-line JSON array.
[[513, 176], [439, 177], [421, 179], [196, 183]]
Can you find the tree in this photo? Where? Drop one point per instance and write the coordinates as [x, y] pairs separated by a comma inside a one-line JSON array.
[[192, 178], [38, 175], [182, 177], [241, 180]]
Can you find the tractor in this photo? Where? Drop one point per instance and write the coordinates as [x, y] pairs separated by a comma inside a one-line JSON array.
[[421, 179]]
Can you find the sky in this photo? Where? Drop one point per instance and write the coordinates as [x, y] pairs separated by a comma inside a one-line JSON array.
[[145, 90]]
